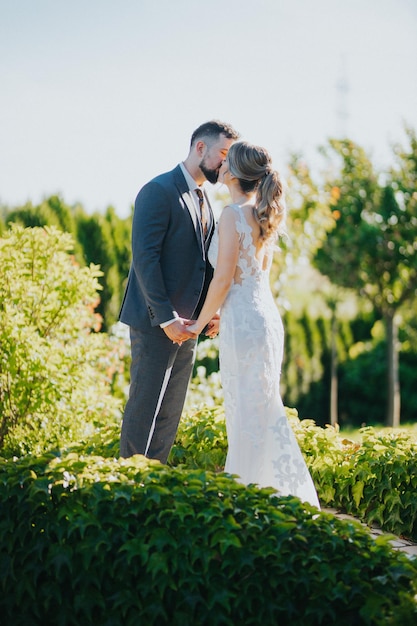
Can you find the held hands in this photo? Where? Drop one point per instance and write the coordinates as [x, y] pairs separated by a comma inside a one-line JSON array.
[[193, 328], [212, 328], [178, 331], [182, 329]]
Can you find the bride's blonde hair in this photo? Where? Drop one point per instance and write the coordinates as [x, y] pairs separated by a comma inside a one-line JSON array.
[[252, 166]]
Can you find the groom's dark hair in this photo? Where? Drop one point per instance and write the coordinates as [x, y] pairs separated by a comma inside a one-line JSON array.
[[212, 130]]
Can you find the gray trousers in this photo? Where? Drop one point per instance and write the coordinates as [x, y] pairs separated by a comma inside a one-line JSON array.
[[159, 376]]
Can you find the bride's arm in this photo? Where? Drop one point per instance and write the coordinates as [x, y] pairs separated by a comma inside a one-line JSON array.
[[224, 272]]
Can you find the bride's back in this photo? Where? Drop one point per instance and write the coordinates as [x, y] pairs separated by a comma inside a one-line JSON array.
[[254, 253]]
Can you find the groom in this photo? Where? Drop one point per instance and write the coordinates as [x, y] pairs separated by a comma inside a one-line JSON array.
[[167, 284]]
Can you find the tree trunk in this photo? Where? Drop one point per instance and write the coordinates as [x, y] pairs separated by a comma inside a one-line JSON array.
[[333, 372], [393, 399]]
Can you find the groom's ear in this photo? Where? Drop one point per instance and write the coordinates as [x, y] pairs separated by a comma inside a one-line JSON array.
[[199, 147]]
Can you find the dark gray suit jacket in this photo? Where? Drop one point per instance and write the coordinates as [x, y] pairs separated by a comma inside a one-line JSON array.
[[169, 270]]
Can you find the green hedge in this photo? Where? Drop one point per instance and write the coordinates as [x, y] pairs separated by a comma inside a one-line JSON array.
[[375, 479], [88, 540]]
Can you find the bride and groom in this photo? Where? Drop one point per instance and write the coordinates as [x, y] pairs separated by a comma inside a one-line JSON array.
[[173, 294]]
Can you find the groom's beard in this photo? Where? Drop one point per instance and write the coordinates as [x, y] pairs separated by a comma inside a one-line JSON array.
[[211, 175]]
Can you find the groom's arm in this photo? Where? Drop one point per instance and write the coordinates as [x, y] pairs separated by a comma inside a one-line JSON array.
[[149, 227]]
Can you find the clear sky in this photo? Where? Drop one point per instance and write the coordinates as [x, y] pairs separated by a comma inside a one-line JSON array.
[[98, 96]]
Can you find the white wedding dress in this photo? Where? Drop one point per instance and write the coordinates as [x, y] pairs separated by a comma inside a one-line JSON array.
[[262, 447]]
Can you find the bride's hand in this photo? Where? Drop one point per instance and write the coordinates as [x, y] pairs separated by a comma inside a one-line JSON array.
[[192, 327], [212, 328]]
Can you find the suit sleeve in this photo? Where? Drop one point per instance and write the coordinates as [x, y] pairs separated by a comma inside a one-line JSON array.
[[149, 227]]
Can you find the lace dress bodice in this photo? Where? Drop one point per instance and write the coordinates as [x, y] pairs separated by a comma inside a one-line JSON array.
[[252, 270], [262, 447]]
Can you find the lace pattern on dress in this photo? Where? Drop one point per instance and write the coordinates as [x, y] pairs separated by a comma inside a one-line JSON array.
[[262, 446]]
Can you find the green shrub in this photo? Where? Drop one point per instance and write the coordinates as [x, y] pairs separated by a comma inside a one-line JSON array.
[[87, 540], [56, 373], [201, 440], [375, 480], [205, 388], [102, 238], [105, 443]]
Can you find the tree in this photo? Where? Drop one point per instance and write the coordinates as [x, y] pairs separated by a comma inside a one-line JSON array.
[[371, 245], [120, 230], [102, 239]]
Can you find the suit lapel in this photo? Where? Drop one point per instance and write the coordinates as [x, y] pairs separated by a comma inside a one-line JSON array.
[[190, 204]]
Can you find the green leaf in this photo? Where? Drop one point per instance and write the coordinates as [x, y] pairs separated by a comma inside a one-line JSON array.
[[357, 491]]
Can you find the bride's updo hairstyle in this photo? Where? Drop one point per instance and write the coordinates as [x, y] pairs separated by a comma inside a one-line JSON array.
[[252, 166]]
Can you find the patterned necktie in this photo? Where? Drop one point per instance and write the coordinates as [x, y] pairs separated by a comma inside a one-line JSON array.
[[203, 211]]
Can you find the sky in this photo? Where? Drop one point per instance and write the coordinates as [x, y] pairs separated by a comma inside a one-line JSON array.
[[99, 96]]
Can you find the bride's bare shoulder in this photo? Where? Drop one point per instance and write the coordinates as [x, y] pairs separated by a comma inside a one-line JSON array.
[[228, 214]]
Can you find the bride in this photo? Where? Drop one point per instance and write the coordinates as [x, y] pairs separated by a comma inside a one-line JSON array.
[[262, 446]]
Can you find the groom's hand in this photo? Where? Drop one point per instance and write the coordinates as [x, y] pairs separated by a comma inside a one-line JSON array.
[[178, 332]]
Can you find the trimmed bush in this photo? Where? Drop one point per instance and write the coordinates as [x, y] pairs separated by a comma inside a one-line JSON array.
[[87, 540], [375, 480]]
